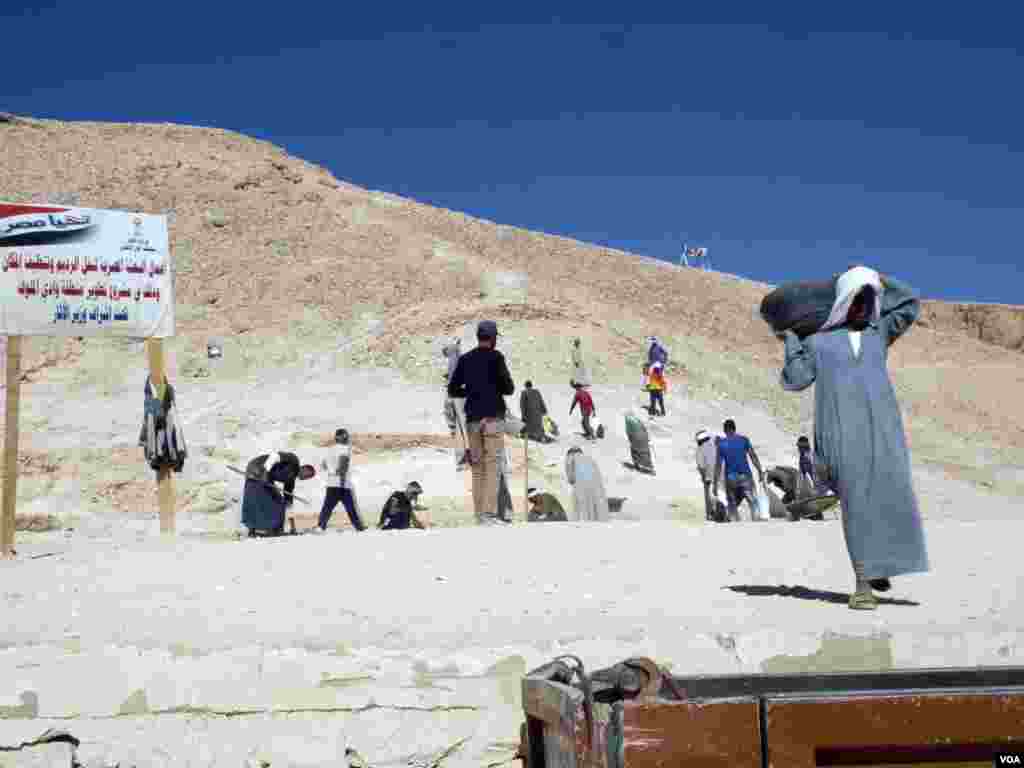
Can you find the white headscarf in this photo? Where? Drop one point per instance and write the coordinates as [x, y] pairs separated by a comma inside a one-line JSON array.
[[848, 286]]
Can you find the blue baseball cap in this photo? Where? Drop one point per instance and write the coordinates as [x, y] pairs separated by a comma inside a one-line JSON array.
[[487, 328]]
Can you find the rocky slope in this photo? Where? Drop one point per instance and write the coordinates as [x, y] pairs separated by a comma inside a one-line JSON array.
[[281, 260]]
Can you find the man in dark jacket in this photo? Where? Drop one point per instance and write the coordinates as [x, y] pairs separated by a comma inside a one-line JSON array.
[[481, 376], [263, 501], [533, 410], [398, 513]]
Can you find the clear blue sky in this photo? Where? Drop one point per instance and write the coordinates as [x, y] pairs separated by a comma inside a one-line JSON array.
[[789, 140]]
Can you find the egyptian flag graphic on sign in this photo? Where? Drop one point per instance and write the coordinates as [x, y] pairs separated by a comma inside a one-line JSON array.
[[43, 224]]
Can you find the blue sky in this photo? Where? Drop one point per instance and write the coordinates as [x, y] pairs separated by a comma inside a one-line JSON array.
[[789, 140]]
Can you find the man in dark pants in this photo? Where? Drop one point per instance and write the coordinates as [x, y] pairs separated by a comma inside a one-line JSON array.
[[336, 465], [587, 409], [264, 503], [733, 450]]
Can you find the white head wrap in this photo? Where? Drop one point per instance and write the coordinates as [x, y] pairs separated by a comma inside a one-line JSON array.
[[848, 286]]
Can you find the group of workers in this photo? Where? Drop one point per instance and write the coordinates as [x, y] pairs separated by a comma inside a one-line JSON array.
[[730, 456], [269, 492], [859, 454]]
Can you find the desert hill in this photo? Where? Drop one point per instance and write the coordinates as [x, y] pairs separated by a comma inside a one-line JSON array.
[[285, 263]]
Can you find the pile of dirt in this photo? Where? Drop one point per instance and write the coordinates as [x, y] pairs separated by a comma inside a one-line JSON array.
[[376, 443]]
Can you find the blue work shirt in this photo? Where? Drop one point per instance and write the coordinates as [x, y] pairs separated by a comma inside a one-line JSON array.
[[733, 452]]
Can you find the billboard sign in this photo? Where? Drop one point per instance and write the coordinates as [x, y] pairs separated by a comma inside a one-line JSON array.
[[70, 271]]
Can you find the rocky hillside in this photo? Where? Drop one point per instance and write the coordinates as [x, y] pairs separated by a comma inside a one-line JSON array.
[[997, 324], [280, 259]]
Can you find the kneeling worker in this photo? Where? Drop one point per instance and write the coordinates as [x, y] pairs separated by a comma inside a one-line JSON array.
[[263, 501], [398, 513], [544, 508], [339, 488]]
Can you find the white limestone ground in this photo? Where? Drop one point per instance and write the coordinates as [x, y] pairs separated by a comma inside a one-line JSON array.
[[203, 650]]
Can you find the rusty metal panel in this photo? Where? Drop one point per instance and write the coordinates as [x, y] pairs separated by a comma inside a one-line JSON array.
[[936, 728], [691, 734], [727, 686]]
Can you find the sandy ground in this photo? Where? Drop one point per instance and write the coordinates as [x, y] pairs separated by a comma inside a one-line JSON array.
[[204, 650]]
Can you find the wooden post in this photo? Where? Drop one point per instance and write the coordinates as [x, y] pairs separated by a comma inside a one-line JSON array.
[[526, 477], [164, 477], [11, 447]]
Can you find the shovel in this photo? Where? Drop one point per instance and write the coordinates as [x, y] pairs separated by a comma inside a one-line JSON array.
[[268, 484]]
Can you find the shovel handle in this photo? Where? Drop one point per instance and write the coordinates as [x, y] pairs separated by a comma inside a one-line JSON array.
[[247, 476]]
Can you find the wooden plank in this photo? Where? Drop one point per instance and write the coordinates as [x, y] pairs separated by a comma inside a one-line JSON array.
[[877, 729], [555, 719], [559, 747], [13, 407], [556, 707], [550, 701], [701, 734], [607, 750], [164, 476], [729, 686]]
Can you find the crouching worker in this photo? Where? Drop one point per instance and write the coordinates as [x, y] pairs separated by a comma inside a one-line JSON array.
[[544, 508], [399, 510], [269, 485], [339, 488], [639, 445]]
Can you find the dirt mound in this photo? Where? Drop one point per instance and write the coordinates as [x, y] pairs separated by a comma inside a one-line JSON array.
[[377, 442]]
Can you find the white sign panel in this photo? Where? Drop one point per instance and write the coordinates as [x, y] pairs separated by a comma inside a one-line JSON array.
[[68, 271]]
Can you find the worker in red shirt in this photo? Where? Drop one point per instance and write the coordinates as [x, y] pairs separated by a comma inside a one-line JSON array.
[[586, 403]]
